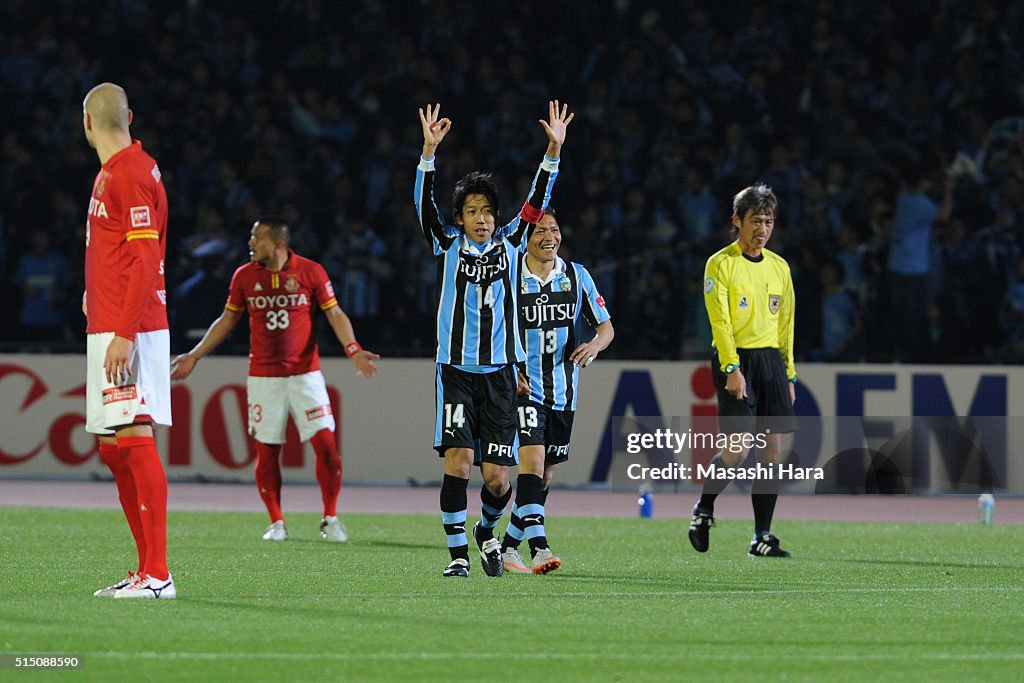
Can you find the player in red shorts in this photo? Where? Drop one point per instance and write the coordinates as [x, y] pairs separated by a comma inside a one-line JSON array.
[[279, 288], [128, 344]]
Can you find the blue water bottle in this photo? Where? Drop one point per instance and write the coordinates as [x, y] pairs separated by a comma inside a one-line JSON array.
[[646, 502]]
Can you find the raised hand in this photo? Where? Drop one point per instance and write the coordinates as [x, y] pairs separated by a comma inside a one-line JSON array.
[[434, 128], [558, 120]]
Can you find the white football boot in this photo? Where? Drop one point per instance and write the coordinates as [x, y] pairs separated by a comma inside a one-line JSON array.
[[147, 587], [514, 562], [545, 562], [333, 530], [109, 591], [276, 532]]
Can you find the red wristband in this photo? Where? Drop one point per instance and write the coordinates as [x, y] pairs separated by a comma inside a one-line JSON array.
[[352, 349], [531, 214]]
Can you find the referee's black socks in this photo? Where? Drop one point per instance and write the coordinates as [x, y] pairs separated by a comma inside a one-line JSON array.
[[763, 495], [712, 486]]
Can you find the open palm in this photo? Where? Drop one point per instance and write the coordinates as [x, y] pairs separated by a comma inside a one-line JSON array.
[[558, 120]]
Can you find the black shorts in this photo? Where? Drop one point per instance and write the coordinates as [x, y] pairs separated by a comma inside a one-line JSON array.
[[542, 426], [767, 408], [477, 411]]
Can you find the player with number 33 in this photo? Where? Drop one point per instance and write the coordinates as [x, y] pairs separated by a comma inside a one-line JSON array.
[[278, 289]]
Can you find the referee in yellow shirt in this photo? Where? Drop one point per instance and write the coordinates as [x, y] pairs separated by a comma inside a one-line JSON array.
[[748, 291]]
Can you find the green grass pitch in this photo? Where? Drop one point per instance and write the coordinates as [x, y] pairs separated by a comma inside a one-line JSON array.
[[632, 602]]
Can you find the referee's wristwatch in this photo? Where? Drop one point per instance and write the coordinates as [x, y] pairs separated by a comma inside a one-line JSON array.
[[730, 367]]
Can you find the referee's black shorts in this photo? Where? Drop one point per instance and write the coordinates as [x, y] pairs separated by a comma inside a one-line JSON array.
[[767, 408]]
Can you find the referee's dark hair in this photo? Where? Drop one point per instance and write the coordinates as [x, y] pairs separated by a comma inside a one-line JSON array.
[[758, 197], [278, 227], [475, 182]]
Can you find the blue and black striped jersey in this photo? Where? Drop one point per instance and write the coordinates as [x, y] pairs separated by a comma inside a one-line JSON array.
[[477, 321], [553, 316]]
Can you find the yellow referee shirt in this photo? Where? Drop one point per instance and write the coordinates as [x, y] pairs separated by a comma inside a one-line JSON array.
[[750, 304]]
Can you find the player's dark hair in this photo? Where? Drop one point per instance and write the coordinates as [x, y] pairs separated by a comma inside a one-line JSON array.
[[550, 211], [758, 197], [476, 182], [277, 226]]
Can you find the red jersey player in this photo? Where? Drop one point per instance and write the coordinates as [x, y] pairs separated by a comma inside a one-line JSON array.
[[279, 288], [128, 344]]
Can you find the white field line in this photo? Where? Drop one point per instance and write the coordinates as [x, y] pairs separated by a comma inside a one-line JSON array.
[[709, 593], [567, 656]]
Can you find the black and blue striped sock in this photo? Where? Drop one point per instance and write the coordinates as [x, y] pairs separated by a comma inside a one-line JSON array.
[[514, 533], [453, 515], [491, 509], [530, 501]]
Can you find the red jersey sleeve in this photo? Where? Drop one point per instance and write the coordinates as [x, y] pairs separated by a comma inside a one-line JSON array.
[[140, 214], [236, 297], [322, 289]]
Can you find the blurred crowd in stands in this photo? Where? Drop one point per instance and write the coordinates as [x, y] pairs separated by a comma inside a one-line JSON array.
[[891, 131]]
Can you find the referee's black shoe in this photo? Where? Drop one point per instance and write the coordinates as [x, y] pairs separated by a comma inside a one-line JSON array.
[[700, 530], [490, 553], [766, 545]]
